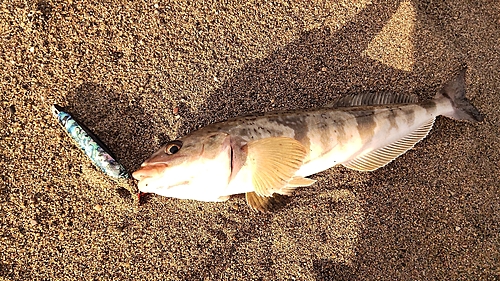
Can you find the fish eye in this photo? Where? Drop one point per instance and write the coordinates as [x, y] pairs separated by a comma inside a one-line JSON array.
[[173, 147]]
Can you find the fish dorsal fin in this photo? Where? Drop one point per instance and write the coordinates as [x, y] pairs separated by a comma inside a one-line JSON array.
[[263, 203], [273, 162], [382, 156], [373, 99]]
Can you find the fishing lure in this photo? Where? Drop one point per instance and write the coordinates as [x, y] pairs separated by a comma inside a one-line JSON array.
[[93, 147]]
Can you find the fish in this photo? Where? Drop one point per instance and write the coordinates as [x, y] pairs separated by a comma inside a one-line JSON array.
[[100, 155], [268, 156]]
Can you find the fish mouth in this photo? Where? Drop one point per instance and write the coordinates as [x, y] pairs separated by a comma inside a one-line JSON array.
[[148, 171]]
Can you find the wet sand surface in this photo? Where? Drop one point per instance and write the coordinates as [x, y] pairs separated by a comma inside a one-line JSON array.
[[140, 73]]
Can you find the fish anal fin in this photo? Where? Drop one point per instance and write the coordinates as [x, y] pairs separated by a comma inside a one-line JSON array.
[[382, 156], [273, 162], [370, 99], [265, 204]]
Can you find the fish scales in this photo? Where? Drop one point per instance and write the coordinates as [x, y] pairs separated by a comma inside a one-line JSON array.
[[273, 153]]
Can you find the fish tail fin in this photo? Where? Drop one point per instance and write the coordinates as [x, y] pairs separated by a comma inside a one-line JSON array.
[[454, 91]]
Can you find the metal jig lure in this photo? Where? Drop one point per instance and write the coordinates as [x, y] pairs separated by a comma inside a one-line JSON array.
[[94, 148]]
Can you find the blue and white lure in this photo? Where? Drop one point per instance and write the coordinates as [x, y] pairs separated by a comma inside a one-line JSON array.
[[93, 147]]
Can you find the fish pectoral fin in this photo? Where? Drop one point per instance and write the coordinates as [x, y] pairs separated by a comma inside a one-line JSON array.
[[223, 198], [382, 156], [273, 162], [300, 181], [293, 184], [263, 203]]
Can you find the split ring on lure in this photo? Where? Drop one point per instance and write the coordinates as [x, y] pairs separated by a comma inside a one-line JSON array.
[[93, 147]]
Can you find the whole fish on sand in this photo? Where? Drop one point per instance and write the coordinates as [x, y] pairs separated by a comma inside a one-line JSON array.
[[272, 154]]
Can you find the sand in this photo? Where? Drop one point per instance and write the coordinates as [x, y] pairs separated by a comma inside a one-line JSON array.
[[124, 68]]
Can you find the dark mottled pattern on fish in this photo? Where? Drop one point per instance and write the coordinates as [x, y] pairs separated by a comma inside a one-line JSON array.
[[409, 114], [330, 130], [391, 116], [429, 106], [366, 124], [299, 126]]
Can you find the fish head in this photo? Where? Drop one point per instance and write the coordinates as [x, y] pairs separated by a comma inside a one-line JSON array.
[[181, 167]]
